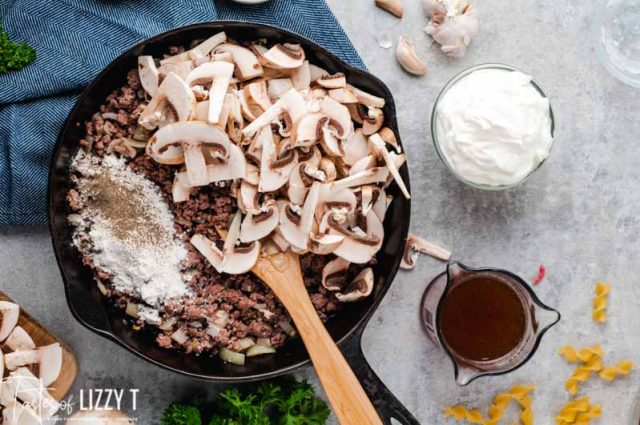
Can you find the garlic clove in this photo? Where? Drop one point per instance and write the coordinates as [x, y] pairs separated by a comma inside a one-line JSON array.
[[406, 56], [392, 6]]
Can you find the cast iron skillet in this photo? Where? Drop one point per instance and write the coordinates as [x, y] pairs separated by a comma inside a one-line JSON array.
[[89, 307]]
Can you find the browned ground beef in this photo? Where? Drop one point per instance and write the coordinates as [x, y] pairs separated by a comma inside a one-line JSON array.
[[207, 207]]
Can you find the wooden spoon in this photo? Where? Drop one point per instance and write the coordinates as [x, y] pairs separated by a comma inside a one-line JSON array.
[[281, 273]]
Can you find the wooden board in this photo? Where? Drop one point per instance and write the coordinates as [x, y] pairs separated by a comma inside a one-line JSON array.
[[41, 336]]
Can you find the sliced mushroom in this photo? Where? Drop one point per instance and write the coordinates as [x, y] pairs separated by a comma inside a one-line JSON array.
[[334, 81], [366, 198], [173, 94], [373, 121], [299, 183], [315, 72], [252, 174], [389, 138], [257, 226], [10, 314], [19, 339], [201, 49], [363, 164], [360, 287], [292, 102], [381, 203], [231, 259], [278, 87], [247, 65], [296, 228], [372, 175], [308, 129], [359, 246], [181, 69], [274, 171], [323, 244], [149, 75], [340, 119], [343, 95], [334, 274], [380, 147], [367, 99], [301, 76], [249, 197], [329, 169], [46, 361], [218, 74], [285, 56], [355, 148], [416, 245]]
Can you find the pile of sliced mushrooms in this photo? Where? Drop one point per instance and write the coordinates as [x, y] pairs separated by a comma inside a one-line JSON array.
[[23, 393], [306, 154]]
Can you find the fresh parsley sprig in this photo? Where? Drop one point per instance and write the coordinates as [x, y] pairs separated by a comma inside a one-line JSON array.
[[14, 56], [284, 402]]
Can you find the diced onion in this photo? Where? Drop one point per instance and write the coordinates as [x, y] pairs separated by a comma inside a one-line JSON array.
[[102, 288], [132, 310], [244, 343], [265, 342], [179, 336], [168, 324], [232, 356], [213, 330], [258, 350], [285, 325], [221, 318]]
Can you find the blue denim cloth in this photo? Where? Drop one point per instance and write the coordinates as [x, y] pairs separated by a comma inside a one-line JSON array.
[[74, 40]]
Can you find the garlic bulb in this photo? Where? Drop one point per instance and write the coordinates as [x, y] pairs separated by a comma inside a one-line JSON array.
[[452, 24]]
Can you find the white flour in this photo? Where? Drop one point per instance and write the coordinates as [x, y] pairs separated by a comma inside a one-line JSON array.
[[131, 230]]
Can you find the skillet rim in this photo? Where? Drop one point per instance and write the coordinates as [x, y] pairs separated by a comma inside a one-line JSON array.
[[359, 324]]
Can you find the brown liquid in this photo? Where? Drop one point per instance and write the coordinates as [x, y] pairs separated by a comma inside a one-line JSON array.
[[482, 319]]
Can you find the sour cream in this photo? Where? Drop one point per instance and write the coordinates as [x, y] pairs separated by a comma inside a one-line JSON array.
[[493, 127]]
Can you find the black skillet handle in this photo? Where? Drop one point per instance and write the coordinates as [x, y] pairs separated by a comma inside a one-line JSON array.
[[386, 404]]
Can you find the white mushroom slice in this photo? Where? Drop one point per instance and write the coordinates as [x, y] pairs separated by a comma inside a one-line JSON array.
[[252, 174], [379, 144], [315, 72], [149, 75], [310, 156], [274, 171], [363, 164], [232, 259], [333, 81], [324, 244], [202, 110], [255, 98], [279, 240], [340, 119], [234, 167], [360, 287], [296, 228], [366, 198], [292, 102], [299, 183], [247, 65], [357, 112], [367, 99], [343, 95], [196, 165], [219, 75], [389, 138], [166, 145], [181, 69], [358, 246], [47, 361], [356, 147], [341, 201], [381, 204], [258, 226], [222, 57], [329, 168], [278, 87], [372, 175], [308, 129], [301, 76], [249, 197], [173, 94], [28, 388], [19, 339], [10, 314], [285, 56], [202, 49], [373, 121], [334, 274], [416, 245], [329, 141]]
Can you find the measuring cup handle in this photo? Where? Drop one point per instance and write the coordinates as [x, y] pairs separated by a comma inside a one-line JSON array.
[[386, 404]]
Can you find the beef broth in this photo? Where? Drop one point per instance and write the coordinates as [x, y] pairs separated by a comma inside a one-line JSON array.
[[482, 318]]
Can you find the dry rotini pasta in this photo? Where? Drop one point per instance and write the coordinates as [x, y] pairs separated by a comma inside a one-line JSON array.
[[582, 373], [609, 373], [583, 355], [519, 393], [578, 411], [600, 302]]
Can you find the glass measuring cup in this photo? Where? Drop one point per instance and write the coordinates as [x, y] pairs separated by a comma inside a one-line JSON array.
[[538, 319]]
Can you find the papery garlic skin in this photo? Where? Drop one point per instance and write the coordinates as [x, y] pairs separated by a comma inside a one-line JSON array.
[[493, 127], [452, 24]]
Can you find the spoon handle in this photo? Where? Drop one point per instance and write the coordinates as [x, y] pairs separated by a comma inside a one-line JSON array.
[[346, 395]]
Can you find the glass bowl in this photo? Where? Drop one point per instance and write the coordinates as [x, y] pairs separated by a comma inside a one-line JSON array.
[[434, 131], [616, 32]]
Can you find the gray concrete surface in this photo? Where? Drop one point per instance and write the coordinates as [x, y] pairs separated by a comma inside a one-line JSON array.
[[577, 215]]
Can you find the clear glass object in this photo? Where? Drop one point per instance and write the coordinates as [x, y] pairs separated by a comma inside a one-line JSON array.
[[539, 319], [434, 128], [616, 29]]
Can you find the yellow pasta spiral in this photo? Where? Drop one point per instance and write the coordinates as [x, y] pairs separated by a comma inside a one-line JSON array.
[[584, 418], [519, 393], [609, 373], [600, 302], [583, 355], [582, 373], [574, 409], [462, 413]]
